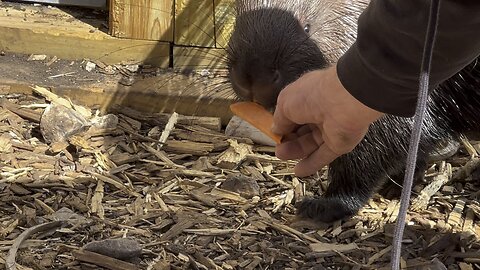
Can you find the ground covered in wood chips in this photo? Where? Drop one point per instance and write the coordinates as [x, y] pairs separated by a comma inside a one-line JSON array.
[[176, 193]]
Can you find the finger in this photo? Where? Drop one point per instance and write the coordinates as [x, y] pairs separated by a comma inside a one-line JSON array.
[[315, 162], [300, 131], [290, 111], [298, 148], [282, 123]]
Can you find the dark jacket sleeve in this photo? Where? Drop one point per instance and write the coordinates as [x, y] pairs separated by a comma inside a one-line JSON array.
[[382, 67]]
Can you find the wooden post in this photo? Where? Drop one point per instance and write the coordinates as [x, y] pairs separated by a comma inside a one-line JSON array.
[[142, 19], [194, 23], [224, 21], [203, 58]]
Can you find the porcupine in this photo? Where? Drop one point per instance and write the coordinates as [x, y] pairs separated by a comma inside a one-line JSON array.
[[274, 42]]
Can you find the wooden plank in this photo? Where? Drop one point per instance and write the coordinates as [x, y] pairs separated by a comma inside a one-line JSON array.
[[224, 21], [35, 30], [170, 91], [102, 260], [80, 3], [194, 23], [199, 58], [142, 19], [135, 98]]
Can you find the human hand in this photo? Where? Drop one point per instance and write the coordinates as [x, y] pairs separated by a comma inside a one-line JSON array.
[[319, 121]]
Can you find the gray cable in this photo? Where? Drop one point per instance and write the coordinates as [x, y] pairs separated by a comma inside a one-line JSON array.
[[416, 132]]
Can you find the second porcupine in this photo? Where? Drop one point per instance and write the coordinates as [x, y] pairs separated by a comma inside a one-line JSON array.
[[275, 42]]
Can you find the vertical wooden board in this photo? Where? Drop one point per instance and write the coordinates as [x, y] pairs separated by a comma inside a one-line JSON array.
[[224, 21], [142, 19], [194, 23]]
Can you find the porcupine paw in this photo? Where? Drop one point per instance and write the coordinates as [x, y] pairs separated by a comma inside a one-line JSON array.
[[325, 210]]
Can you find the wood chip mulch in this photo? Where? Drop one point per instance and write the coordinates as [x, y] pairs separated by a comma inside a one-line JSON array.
[[167, 191]]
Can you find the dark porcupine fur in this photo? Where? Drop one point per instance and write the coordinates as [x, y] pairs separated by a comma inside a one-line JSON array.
[[270, 70], [274, 43]]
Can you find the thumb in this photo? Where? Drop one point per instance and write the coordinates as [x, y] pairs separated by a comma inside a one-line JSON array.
[[282, 117]]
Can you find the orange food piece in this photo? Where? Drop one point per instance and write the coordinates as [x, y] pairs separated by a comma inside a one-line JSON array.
[[257, 116]]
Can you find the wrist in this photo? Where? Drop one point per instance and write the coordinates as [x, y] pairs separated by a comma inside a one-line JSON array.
[[350, 114]]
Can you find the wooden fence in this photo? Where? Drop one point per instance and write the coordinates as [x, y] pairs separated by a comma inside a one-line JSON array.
[[165, 33]]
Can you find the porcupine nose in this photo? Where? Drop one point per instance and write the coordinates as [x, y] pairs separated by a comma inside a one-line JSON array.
[[266, 88], [257, 84], [241, 83]]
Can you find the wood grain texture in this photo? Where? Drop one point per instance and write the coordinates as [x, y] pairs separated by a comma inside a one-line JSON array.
[[224, 21], [194, 23], [199, 58], [142, 19], [55, 32]]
